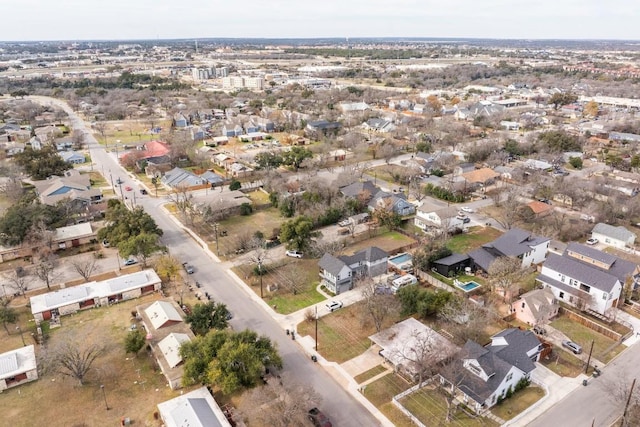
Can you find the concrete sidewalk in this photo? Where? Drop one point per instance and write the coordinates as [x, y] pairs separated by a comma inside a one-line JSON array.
[[556, 388]]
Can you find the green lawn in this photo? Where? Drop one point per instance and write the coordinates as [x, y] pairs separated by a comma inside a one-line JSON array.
[[97, 180], [582, 335], [343, 335], [237, 226], [369, 374], [564, 363], [476, 237], [517, 403], [430, 407]]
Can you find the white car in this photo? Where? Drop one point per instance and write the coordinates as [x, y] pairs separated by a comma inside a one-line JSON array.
[[294, 254], [466, 209], [592, 241], [334, 305]]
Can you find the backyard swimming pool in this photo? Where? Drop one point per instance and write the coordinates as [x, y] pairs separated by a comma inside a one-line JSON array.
[[400, 259], [467, 287]]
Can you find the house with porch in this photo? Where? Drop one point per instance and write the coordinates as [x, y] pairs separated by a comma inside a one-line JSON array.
[[339, 273], [17, 367], [516, 243], [479, 376], [73, 186], [397, 203]]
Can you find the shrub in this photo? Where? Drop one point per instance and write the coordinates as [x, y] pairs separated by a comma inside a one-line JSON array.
[[246, 209]]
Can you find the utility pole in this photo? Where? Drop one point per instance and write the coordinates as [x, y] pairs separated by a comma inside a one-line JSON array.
[[104, 394], [316, 328], [215, 227], [586, 369], [260, 273], [626, 406]]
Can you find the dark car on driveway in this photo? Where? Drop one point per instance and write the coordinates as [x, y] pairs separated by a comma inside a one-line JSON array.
[[318, 418]]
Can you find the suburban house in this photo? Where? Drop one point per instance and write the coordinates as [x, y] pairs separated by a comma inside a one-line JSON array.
[[338, 273], [618, 237], [166, 332], [586, 277], [363, 190], [452, 265], [73, 157], [481, 375], [93, 294], [323, 126], [178, 178], [516, 243], [18, 367], [479, 178], [430, 215], [539, 209], [73, 235], [72, 185], [378, 125], [397, 203], [149, 150], [536, 307], [411, 340], [180, 121], [197, 408]]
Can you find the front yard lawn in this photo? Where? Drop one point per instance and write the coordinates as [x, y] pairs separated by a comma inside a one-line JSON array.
[[380, 393], [369, 374], [563, 363], [301, 272], [602, 347], [476, 237], [430, 407], [343, 335], [517, 403]]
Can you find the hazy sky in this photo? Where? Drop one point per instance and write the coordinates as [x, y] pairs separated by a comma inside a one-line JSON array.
[[151, 19]]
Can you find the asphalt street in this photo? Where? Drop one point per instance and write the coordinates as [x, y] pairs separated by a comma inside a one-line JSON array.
[[342, 408]]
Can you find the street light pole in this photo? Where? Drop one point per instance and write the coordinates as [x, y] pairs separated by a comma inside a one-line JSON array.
[[260, 272], [316, 328], [24, 344], [215, 227], [104, 394]]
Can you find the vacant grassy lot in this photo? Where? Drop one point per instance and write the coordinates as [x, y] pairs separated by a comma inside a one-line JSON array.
[[476, 237], [343, 335], [582, 335], [301, 272], [132, 386], [239, 226], [388, 173], [380, 393], [389, 241], [517, 403], [430, 407], [97, 180]]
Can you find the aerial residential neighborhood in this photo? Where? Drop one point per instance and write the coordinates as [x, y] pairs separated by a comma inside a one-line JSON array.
[[321, 232]]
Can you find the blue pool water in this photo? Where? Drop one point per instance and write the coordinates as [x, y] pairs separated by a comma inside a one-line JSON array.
[[400, 259], [469, 286]]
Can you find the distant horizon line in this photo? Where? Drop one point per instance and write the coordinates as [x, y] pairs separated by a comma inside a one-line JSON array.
[[331, 38]]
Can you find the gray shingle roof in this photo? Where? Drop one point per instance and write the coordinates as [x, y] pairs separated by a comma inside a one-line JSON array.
[[331, 264], [519, 342], [516, 242], [618, 233], [482, 258], [371, 254], [618, 267], [355, 189], [452, 259], [581, 272]]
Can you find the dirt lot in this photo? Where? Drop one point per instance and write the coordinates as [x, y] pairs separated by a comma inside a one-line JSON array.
[[132, 386]]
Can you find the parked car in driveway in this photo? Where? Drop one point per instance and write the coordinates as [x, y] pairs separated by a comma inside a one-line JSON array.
[[573, 347], [466, 209], [592, 241], [130, 261], [334, 305], [294, 254], [318, 418]]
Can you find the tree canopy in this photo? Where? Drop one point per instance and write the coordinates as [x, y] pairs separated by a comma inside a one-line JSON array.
[[296, 156], [41, 164], [204, 317], [296, 233], [25, 216], [230, 360]]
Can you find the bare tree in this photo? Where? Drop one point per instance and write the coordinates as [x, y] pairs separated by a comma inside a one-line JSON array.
[[46, 271], [378, 306], [505, 272], [619, 390], [281, 402], [466, 319], [74, 357], [85, 266], [18, 282], [183, 201]]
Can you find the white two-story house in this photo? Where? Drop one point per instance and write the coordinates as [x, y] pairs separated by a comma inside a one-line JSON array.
[[480, 376], [338, 273], [429, 215], [585, 277]]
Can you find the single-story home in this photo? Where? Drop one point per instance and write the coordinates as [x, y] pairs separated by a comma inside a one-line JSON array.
[[536, 307], [18, 367], [93, 294], [73, 157], [452, 265], [166, 332], [197, 408], [618, 237]]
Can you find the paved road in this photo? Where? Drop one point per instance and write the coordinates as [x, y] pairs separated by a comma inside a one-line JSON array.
[[343, 409], [594, 403]]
